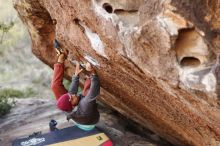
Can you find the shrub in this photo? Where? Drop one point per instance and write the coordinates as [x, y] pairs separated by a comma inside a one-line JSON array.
[[28, 92], [6, 94], [5, 106]]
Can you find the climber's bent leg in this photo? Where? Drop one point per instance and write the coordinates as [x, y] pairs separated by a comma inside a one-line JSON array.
[[57, 81]]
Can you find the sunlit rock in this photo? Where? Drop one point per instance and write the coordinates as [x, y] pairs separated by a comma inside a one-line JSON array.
[[157, 59]]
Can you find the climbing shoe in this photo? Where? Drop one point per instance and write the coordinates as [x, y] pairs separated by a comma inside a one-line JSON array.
[[59, 50], [52, 125], [56, 44]]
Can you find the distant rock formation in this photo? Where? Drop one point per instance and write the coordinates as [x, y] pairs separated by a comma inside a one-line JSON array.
[[157, 59]]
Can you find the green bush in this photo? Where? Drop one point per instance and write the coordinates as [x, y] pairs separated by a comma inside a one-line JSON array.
[[28, 92], [10, 92], [5, 106], [6, 94]]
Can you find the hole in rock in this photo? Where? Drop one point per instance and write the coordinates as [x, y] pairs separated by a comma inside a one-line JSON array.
[[76, 20], [190, 61], [54, 21], [107, 7], [118, 11], [191, 49]]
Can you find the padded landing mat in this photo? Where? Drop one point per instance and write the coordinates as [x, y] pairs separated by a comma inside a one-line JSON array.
[[71, 136]]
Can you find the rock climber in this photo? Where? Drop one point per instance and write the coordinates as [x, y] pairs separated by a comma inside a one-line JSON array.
[[81, 108]]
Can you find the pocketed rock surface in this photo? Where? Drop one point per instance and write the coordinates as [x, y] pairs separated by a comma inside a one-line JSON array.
[[158, 60]]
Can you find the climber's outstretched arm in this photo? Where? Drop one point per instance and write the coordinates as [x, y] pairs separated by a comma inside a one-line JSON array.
[[94, 90], [73, 89]]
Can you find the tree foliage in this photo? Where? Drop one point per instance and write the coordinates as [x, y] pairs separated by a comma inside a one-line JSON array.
[[5, 28]]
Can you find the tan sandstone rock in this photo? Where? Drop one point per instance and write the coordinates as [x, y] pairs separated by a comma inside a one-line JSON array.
[[157, 59]]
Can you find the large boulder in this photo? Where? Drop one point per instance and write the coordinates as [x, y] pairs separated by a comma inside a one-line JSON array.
[[157, 60]]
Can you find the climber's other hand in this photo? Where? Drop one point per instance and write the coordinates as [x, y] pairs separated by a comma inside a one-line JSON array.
[[78, 70]]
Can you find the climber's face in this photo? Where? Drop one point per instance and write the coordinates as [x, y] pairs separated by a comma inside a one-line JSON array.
[[89, 67], [74, 100]]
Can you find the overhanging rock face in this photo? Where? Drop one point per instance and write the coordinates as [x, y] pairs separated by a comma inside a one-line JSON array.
[[157, 59]]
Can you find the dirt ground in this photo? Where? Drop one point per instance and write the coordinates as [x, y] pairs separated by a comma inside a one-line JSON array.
[[33, 115]]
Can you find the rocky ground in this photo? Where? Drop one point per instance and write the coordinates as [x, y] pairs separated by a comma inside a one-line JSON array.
[[33, 115]]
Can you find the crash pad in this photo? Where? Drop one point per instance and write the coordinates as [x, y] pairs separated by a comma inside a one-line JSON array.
[[67, 137]]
